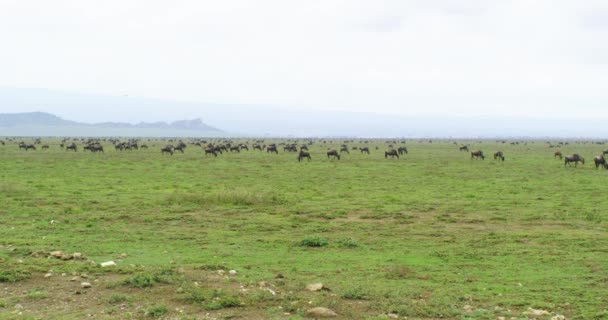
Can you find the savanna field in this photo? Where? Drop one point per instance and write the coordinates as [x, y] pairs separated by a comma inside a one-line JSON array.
[[432, 235]]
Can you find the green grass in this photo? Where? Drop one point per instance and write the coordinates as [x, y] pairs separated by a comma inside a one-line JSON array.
[[421, 236]]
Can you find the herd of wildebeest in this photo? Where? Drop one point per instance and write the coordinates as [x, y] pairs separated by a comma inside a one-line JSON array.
[[215, 148]]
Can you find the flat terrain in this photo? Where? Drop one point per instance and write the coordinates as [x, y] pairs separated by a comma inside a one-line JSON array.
[[431, 235]]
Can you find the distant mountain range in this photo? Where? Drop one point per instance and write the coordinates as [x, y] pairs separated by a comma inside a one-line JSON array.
[[126, 114], [46, 124]]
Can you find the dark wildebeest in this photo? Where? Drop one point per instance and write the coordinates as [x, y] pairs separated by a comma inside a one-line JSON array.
[[243, 146], [464, 148], [477, 155], [167, 149], [94, 148], [272, 148], [29, 146], [143, 146], [402, 150], [71, 146], [558, 154], [392, 153], [303, 154], [333, 153], [498, 155], [364, 149], [344, 149], [235, 148], [45, 146], [257, 146], [210, 151], [605, 152], [180, 148], [573, 158], [599, 160]]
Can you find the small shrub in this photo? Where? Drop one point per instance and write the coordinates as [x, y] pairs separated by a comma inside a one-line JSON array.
[[142, 281], [156, 311], [354, 294], [314, 241], [14, 275], [117, 298], [224, 302], [36, 294]]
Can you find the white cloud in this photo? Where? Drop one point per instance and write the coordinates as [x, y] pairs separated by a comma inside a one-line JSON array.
[[472, 57]]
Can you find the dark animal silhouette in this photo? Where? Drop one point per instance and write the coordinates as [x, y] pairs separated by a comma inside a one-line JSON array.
[[303, 154], [464, 148], [558, 154], [167, 149], [599, 161], [272, 148], [344, 149], [498, 155], [210, 151], [573, 158], [402, 150], [364, 149], [477, 155], [333, 153], [392, 153], [71, 146]]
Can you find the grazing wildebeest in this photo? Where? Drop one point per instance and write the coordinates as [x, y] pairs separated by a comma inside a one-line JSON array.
[[303, 154], [558, 154], [392, 153], [573, 158], [257, 146], [402, 150], [498, 155], [180, 148], [45, 146], [333, 153], [605, 152], [210, 151], [290, 148], [167, 149], [304, 147], [235, 148], [29, 146], [272, 148], [364, 149], [599, 160], [464, 148], [143, 146], [344, 149], [71, 146], [243, 146], [477, 155]]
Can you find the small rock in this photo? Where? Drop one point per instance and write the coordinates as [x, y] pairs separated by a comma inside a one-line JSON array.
[[121, 256], [77, 255], [18, 306], [66, 256], [315, 286], [232, 272], [558, 317], [467, 308], [221, 272], [392, 316], [56, 254], [85, 285], [108, 264], [320, 312], [48, 275], [74, 278]]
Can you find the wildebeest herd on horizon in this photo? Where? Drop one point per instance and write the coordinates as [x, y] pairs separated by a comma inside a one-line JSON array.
[[220, 146]]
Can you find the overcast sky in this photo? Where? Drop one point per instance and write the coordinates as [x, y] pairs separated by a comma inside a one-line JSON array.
[[535, 58]]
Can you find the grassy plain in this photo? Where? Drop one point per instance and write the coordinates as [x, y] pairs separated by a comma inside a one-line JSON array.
[[431, 235]]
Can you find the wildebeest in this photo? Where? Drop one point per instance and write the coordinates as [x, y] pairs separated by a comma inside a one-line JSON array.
[[45, 146], [392, 153], [498, 155], [143, 146], [574, 158], [94, 148], [333, 153], [235, 148], [599, 160], [167, 149], [402, 150], [344, 149], [272, 148], [210, 151], [180, 148], [29, 146], [303, 154], [477, 155], [364, 149], [464, 148], [605, 152], [71, 146], [558, 154]]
